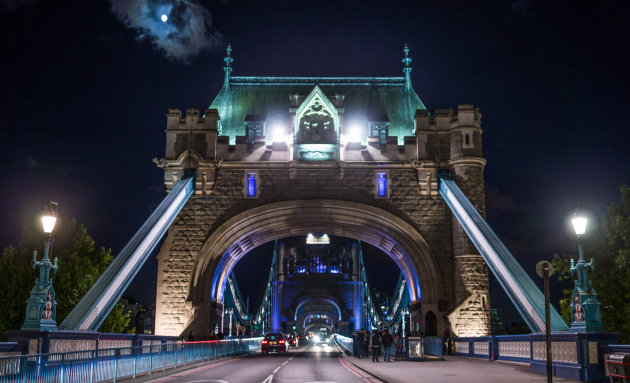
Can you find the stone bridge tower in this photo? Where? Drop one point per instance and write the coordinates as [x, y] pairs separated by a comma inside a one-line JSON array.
[[354, 157]]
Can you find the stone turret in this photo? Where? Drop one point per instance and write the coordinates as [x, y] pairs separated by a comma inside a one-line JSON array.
[[471, 316]]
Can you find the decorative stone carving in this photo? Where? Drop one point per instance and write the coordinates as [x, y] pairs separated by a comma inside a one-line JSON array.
[[560, 351], [515, 349], [461, 347], [70, 345], [481, 348], [317, 125]]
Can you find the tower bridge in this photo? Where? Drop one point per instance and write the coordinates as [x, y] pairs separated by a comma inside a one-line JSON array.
[[355, 157]]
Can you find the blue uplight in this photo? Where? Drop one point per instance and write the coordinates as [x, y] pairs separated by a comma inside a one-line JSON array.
[[251, 185], [382, 184]]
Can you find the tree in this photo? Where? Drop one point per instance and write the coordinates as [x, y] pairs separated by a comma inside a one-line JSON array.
[[80, 265], [610, 246]]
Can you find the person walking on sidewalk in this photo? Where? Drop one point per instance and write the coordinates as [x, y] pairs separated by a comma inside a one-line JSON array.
[[375, 345], [366, 343], [398, 340], [446, 341], [388, 345], [357, 341]]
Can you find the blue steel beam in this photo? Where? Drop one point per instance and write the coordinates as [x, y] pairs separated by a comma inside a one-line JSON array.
[[94, 307], [522, 291]]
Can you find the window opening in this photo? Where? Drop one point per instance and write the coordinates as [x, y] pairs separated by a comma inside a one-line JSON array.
[[381, 183]]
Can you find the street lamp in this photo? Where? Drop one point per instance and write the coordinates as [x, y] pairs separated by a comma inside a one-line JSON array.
[[231, 312], [41, 306], [585, 312]]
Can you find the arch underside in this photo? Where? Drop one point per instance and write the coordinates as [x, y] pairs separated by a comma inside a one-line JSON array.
[[380, 228], [315, 299]]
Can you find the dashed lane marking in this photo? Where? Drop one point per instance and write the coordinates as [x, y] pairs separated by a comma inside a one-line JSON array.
[[195, 370], [268, 379], [277, 368]]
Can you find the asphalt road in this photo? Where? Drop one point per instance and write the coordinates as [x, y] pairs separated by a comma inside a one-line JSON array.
[[308, 364]]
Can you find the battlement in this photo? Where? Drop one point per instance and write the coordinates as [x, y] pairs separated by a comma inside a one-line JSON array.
[[441, 136]]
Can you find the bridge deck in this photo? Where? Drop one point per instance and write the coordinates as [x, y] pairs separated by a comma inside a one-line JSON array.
[[453, 369], [324, 364]]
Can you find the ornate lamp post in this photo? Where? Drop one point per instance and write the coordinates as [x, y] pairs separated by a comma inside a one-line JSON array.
[[41, 306], [585, 313]]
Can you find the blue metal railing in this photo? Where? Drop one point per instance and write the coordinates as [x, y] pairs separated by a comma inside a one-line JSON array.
[[344, 342], [111, 364], [433, 346]]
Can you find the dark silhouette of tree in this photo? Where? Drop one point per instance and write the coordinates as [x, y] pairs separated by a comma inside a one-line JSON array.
[[609, 245], [80, 265]]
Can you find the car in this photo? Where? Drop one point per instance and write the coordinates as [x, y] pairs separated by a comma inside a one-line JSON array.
[[274, 344], [321, 339], [292, 340]]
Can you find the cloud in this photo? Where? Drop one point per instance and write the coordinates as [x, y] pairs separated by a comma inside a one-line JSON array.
[[186, 33], [521, 7], [497, 201], [29, 163], [12, 5]]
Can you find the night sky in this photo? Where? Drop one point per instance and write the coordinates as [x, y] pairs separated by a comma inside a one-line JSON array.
[[85, 86]]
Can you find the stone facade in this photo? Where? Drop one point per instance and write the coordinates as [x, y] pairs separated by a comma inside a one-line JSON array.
[[224, 219]]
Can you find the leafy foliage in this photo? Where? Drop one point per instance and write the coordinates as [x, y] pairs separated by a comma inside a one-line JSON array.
[[117, 321], [80, 265], [610, 247]]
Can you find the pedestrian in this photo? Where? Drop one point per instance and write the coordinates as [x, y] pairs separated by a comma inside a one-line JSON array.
[[366, 343], [357, 344], [398, 341], [388, 345], [375, 345], [446, 339]]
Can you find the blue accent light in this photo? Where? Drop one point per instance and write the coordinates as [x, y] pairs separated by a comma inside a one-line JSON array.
[[382, 184], [334, 269], [301, 269], [251, 185]]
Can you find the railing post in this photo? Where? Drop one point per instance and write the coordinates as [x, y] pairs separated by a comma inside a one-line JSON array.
[[135, 360], [94, 355], [116, 351], [150, 357], [163, 356]]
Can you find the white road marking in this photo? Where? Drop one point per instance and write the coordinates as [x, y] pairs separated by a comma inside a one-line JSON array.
[[276, 370], [268, 379], [285, 362]]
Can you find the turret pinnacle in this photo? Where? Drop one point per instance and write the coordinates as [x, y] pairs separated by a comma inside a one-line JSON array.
[[228, 68], [407, 69]]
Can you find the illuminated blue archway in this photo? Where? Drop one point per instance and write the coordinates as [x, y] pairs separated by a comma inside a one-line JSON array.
[[245, 231]]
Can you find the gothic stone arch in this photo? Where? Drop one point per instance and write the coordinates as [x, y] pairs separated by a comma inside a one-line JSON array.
[[249, 229]]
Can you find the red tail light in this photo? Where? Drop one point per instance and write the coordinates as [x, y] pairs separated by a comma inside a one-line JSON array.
[[281, 341], [264, 342], [293, 341]]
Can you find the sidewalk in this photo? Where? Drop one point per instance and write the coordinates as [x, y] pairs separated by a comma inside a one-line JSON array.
[[453, 369]]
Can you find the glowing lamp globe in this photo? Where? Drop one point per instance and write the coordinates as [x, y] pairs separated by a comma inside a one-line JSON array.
[[48, 222], [278, 134], [355, 135], [164, 18], [579, 224]]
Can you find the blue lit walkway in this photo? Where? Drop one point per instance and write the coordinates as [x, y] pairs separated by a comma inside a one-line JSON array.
[[452, 369]]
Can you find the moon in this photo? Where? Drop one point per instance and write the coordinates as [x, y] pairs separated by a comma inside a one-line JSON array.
[[164, 18]]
